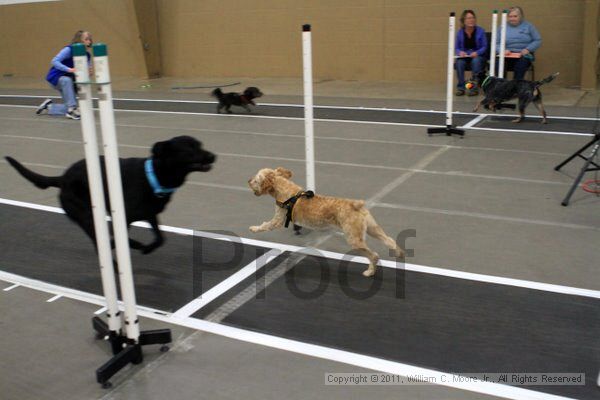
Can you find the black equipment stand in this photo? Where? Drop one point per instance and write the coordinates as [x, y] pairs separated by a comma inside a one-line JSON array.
[[123, 350], [588, 160], [449, 130]]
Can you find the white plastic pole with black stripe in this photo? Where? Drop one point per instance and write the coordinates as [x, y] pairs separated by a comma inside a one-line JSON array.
[[493, 44], [449, 129], [308, 107], [501, 57], [309, 136], [502, 44], [112, 330]]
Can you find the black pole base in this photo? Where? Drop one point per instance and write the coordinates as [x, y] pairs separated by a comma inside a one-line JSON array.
[[297, 229], [124, 350], [449, 130]]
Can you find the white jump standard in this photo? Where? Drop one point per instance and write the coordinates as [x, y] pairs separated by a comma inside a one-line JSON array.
[[126, 349]]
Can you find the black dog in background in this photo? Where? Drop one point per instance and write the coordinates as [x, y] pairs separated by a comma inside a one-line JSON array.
[[499, 90], [226, 100], [171, 161]]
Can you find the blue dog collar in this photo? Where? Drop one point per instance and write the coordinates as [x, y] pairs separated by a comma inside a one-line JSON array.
[[158, 190]]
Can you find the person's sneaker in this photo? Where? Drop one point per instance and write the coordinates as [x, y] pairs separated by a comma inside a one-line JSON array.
[[43, 106], [73, 114], [459, 92]]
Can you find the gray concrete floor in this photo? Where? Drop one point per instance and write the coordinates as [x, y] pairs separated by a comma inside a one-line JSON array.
[[488, 203]]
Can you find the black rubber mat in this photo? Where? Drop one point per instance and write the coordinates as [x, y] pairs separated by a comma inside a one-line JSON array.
[[533, 122], [350, 114], [49, 247], [431, 321]]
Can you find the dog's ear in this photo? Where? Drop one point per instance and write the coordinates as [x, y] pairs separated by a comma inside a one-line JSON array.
[[286, 173], [266, 186]]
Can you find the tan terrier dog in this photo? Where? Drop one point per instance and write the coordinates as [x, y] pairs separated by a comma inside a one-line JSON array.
[[318, 212]]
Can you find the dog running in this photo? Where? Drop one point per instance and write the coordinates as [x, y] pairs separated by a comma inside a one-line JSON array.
[[148, 184], [226, 100], [498, 90], [319, 212]]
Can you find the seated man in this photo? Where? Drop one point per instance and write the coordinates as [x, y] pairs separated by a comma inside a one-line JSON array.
[[471, 46]]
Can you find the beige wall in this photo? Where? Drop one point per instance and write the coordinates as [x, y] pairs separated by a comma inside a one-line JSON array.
[[31, 34], [352, 39]]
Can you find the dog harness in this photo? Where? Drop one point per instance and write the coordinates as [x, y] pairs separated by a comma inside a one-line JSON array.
[[289, 204], [158, 190], [485, 82]]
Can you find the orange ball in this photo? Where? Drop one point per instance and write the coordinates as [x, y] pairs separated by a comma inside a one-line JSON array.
[[469, 85]]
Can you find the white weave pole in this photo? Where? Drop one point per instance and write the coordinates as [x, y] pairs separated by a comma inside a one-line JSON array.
[[493, 44], [450, 71], [92, 161], [502, 44], [309, 144], [115, 189], [449, 130]]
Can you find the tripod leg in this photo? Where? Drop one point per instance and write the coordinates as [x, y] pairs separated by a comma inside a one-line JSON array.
[[577, 153], [584, 169]]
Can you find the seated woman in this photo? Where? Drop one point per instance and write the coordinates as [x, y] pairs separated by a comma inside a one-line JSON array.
[[471, 45], [521, 38]]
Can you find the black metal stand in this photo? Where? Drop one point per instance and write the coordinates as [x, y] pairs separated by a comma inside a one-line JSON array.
[[297, 229], [588, 160], [124, 350], [449, 130]]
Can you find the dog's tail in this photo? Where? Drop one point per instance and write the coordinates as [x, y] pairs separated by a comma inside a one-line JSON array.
[[548, 79], [41, 181], [218, 93]]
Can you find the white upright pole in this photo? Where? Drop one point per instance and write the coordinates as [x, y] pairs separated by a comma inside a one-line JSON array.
[[493, 44], [449, 129], [308, 107], [450, 71], [502, 44], [115, 189], [90, 144]]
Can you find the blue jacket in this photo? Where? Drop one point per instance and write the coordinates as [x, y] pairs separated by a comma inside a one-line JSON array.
[[480, 42], [61, 64], [522, 36]]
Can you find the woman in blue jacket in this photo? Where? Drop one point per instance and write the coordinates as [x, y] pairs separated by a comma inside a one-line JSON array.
[[471, 45], [61, 76]]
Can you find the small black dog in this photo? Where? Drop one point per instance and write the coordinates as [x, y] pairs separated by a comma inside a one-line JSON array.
[[226, 100], [498, 90], [147, 184]]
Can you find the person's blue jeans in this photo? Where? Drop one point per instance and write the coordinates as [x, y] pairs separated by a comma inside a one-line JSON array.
[[67, 91], [461, 64]]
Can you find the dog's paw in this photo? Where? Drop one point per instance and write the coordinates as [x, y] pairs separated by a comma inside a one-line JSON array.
[[398, 253], [255, 229], [369, 272], [148, 249]]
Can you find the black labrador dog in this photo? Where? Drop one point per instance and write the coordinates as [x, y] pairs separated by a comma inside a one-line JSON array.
[[498, 90], [148, 184], [226, 100]]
